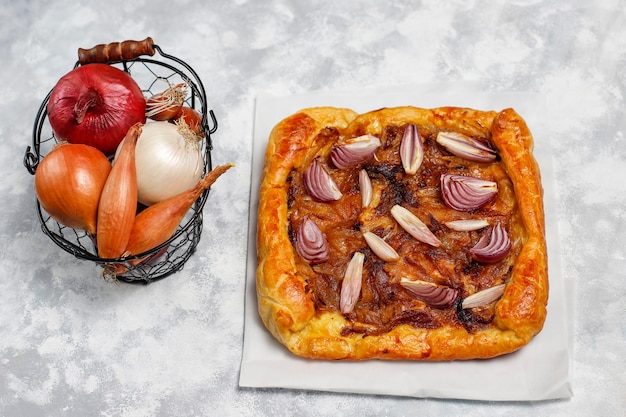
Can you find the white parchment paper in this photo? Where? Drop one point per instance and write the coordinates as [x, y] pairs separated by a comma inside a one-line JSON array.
[[538, 371]]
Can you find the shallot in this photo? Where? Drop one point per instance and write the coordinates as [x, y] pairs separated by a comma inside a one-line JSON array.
[[319, 184], [166, 104], [311, 242], [484, 297], [354, 151], [414, 226], [465, 193], [432, 294], [157, 223], [351, 284], [411, 149], [466, 147], [118, 201], [493, 246]]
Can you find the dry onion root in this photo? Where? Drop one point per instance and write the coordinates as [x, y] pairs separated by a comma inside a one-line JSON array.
[[167, 104]]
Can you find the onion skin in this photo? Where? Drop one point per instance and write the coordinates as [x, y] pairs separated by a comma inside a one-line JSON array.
[[157, 223], [68, 184], [95, 104], [118, 202]]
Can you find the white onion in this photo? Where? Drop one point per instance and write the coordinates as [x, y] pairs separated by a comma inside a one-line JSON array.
[[168, 162]]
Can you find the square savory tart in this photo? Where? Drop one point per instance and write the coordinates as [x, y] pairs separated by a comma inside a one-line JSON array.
[[401, 233]]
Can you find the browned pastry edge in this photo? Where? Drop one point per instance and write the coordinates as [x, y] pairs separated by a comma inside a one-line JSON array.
[[288, 312]]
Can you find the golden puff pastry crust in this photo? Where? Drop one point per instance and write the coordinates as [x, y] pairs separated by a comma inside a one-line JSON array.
[[298, 302]]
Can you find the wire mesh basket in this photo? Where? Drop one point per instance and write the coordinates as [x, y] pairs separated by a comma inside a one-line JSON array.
[[154, 71]]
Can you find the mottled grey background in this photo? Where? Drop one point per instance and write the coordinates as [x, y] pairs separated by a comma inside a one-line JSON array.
[[74, 345]]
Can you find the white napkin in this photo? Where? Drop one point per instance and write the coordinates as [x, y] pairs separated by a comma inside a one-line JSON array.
[[538, 371]]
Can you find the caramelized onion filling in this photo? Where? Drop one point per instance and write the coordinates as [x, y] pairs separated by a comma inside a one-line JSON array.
[[383, 303]]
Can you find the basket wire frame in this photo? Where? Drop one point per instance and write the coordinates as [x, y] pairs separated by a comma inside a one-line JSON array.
[[153, 76]]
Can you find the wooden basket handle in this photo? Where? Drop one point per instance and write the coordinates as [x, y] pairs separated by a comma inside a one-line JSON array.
[[116, 51]]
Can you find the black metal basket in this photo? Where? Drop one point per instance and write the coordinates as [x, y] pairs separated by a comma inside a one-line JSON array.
[[138, 58]]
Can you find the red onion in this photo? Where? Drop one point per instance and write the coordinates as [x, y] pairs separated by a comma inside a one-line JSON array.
[[411, 149], [492, 247], [311, 243], [465, 193], [484, 297], [466, 147], [351, 284], [319, 184], [353, 151], [95, 104], [432, 294]]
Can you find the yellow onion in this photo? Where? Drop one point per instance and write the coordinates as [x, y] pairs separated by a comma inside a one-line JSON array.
[[68, 183]]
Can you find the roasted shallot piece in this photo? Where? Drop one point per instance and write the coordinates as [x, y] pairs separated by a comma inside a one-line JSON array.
[[465, 193], [351, 284], [484, 297], [319, 184], [466, 147], [411, 149], [381, 248], [493, 246], [311, 242], [432, 294], [414, 226], [354, 151], [467, 225], [365, 185]]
